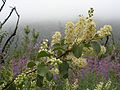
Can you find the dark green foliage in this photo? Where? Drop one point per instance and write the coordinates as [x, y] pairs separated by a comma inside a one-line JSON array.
[[96, 46], [43, 54], [42, 69], [39, 81], [31, 64], [63, 68], [49, 76], [77, 50], [12, 87]]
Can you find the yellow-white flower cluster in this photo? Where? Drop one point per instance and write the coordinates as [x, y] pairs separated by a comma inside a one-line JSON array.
[[80, 62], [54, 70], [44, 45], [69, 33], [79, 29], [103, 50], [20, 78], [103, 32], [80, 25], [90, 30], [56, 38], [107, 85], [99, 86], [83, 30], [88, 51], [54, 62]]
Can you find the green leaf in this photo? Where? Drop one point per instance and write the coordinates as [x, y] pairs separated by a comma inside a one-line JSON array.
[[62, 42], [77, 50], [43, 54], [49, 76], [63, 68], [96, 46], [58, 48], [31, 64], [39, 81], [42, 69], [56, 45]]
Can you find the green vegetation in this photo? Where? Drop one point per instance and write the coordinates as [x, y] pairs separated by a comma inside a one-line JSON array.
[[79, 60]]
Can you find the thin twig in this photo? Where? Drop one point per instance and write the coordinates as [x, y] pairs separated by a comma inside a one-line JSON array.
[[13, 9], [16, 27], [34, 70], [4, 1], [13, 34]]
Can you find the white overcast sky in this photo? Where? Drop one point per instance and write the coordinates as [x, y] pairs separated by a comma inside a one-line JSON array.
[[62, 9]]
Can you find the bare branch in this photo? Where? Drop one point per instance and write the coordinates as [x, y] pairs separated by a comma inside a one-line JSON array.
[[16, 27], [13, 34], [13, 9], [4, 1]]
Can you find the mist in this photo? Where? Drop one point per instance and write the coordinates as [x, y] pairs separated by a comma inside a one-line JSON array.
[[51, 15], [43, 10]]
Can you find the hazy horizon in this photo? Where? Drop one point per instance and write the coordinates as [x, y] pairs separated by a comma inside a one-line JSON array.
[[51, 10], [51, 15]]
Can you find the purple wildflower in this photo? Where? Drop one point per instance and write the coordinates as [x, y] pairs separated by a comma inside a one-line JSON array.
[[19, 65], [102, 68], [56, 77]]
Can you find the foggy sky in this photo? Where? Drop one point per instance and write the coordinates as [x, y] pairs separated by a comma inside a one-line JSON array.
[[42, 10]]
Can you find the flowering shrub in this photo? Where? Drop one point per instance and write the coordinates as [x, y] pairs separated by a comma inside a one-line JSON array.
[[50, 67]]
